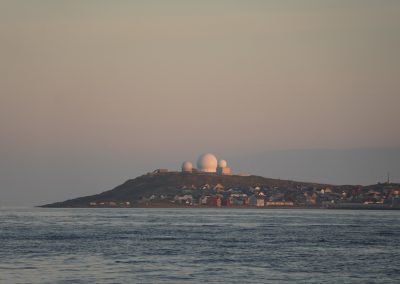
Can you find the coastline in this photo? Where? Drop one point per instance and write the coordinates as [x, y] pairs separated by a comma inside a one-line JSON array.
[[331, 207]]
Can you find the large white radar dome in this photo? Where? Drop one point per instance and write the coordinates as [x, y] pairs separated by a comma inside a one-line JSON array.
[[207, 163], [222, 164], [187, 166]]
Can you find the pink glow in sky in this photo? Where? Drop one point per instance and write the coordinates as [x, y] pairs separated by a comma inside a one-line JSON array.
[[119, 87]]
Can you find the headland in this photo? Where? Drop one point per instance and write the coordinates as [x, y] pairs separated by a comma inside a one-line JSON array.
[[197, 189], [213, 184]]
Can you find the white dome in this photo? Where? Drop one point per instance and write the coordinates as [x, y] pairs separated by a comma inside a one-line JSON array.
[[222, 164], [207, 163], [187, 166]]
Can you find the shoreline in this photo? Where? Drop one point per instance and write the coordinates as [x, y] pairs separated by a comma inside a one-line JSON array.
[[161, 206]]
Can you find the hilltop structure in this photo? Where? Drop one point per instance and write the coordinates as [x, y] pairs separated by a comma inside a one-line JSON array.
[[208, 163], [187, 167], [223, 168]]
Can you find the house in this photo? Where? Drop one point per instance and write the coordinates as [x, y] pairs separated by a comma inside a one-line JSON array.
[[185, 199], [205, 187], [256, 200], [214, 201], [219, 188], [238, 199], [260, 202]]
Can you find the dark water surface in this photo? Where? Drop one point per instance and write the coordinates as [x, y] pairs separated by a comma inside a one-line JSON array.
[[198, 245]]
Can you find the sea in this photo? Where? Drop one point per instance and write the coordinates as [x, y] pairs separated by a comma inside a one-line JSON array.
[[184, 245]]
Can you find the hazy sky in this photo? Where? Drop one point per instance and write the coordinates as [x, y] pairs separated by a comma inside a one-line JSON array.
[[95, 92]]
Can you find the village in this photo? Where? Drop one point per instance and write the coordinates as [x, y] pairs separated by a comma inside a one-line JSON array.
[[263, 197]]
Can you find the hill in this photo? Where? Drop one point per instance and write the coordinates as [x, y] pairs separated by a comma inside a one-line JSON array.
[[172, 183], [161, 189]]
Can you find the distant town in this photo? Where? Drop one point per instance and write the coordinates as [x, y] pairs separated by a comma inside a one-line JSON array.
[[378, 196], [212, 184]]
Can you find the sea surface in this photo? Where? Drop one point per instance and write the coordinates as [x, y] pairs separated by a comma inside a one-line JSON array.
[[198, 246]]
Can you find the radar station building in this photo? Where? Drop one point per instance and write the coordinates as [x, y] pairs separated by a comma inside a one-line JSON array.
[[223, 168], [208, 163], [187, 167]]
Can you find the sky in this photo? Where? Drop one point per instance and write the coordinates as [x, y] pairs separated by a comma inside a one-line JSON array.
[[93, 93]]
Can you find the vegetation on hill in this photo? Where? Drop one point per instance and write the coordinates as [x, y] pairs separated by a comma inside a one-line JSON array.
[[176, 188]]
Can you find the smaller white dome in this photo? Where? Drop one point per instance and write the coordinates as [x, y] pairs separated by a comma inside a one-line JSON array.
[[187, 166], [222, 164]]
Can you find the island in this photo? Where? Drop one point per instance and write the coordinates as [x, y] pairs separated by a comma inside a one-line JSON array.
[[163, 188]]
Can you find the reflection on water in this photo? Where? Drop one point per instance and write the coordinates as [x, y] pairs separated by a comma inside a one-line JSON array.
[[198, 245]]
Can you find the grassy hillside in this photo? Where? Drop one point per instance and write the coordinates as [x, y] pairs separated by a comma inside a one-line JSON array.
[[171, 183]]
